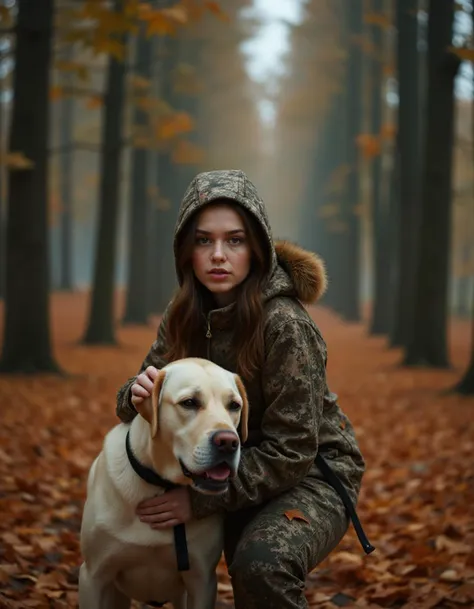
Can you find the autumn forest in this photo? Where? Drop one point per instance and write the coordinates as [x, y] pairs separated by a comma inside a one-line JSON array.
[[360, 138]]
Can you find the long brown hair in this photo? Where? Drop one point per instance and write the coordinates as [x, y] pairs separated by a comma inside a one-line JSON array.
[[186, 326]]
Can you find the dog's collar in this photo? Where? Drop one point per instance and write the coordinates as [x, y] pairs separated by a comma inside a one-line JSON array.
[[146, 473], [149, 475]]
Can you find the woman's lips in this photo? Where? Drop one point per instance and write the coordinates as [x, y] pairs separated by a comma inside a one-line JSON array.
[[218, 275]]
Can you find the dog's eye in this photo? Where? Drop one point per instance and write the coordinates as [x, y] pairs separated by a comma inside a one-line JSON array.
[[191, 404], [234, 405]]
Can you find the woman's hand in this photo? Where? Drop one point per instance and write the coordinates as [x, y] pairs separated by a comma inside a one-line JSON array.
[[168, 510], [142, 387]]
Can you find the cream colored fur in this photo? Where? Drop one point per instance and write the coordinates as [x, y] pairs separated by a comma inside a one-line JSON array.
[[124, 558]]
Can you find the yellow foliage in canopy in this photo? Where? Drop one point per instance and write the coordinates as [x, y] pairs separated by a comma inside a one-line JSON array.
[[174, 125], [369, 145], [95, 24], [56, 93], [388, 131], [94, 102], [463, 53], [72, 66], [5, 17], [139, 83], [187, 153], [16, 161], [379, 19]]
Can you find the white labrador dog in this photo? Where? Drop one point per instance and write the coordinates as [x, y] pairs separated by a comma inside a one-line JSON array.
[[186, 435]]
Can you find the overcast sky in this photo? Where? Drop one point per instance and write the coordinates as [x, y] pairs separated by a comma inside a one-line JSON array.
[[265, 52]]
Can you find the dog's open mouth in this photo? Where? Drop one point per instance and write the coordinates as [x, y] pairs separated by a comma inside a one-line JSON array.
[[213, 479]]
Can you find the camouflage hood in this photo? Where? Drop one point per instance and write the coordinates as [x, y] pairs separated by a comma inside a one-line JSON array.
[[293, 271]]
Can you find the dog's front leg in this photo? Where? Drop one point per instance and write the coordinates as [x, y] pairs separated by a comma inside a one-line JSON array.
[[202, 590], [96, 594]]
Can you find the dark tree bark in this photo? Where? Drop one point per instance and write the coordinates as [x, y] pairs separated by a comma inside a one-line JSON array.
[[380, 321], [463, 286], [466, 384], [331, 159], [27, 345], [429, 343], [409, 168], [350, 277], [101, 326], [2, 206], [393, 236], [171, 188], [66, 126], [136, 307]]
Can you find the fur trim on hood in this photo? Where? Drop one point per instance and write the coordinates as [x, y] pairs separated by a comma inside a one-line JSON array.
[[306, 270]]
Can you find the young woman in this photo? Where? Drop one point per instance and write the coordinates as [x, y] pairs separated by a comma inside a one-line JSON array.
[[239, 304]]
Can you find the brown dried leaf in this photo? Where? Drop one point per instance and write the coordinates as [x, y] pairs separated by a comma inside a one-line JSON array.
[[296, 515]]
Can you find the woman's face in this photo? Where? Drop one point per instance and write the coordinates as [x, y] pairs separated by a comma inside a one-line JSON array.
[[221, 255]]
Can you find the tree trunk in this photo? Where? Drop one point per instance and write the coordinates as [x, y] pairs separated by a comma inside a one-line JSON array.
[[350, 278], [463, 290], [66, 127], [2, 206], [101, 326], [380, 321], [429, 343], [170, 189], [136, 308], [331, 159], [409, 168], [163, 269], [2, 182], [27, 345], [393, 238], [466, 384]]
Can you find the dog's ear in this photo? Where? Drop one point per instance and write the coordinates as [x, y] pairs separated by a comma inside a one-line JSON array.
[[244, 417], [149, 407]]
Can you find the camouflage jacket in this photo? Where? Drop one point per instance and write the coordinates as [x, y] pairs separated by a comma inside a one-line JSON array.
[[292, 412]]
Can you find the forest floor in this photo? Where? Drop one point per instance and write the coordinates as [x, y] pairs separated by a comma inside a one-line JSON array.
[[417, 501]]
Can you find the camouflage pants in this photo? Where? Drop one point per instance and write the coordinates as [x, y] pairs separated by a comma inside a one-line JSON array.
[[269, 556]]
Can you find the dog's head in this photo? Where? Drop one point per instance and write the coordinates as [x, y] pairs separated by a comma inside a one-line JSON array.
[[195, 410]]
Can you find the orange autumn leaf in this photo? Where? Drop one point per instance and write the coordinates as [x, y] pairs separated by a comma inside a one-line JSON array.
[[16, 161], [177, 124], [379, 19], [388, 131], [296, 515], [56, 93], [187, 153], [94, 102], [216, 9], [5, 17], [369, 145]]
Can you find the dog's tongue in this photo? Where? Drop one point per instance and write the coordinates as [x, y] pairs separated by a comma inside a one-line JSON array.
[[220, 472]]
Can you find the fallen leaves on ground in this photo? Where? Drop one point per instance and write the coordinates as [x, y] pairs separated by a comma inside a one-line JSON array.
[[417, 502]]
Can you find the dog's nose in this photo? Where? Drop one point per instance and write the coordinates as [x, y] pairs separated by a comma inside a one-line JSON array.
[[226, 441]]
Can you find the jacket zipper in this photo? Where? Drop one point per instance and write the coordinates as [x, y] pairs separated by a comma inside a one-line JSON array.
[[209, 337]]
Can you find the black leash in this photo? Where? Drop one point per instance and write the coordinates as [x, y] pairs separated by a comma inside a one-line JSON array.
[[346, 500], [149, 475]]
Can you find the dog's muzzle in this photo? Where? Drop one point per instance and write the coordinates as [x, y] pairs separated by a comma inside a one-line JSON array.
[[223, 459]]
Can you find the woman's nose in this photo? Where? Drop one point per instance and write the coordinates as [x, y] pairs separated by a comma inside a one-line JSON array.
[[218, 252]]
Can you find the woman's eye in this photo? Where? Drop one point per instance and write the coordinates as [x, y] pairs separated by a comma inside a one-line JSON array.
[[234, 406], [202, 240], [236, 240], [190, 404]]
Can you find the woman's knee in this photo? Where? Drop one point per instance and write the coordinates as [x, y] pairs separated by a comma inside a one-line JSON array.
[[262, 564]]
